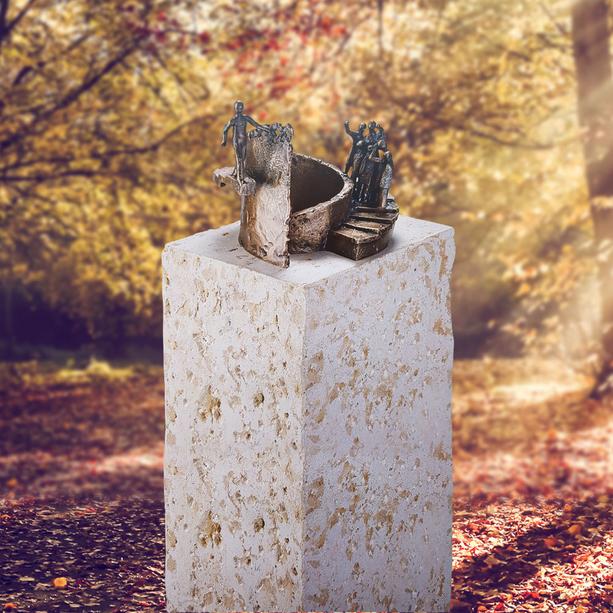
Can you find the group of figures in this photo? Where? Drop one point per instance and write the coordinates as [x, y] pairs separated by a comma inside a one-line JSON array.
[[370, 165]]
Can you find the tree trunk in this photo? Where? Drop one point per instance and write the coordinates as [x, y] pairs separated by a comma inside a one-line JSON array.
[[592, 53]]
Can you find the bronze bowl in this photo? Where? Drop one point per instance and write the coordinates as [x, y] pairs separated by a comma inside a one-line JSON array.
[[320, 197]]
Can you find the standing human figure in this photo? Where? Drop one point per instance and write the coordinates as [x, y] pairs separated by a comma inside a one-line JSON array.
[[361, 150], [386, 179], [357, 137], [238, 123], [373, 131], [366, 173]]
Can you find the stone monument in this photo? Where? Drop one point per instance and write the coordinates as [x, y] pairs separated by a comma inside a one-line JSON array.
[[308, 408]]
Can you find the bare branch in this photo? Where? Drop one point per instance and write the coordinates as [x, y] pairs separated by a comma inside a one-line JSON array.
[[559, 26], [4, 9], [6, 27], [36, 176], [71, 97]]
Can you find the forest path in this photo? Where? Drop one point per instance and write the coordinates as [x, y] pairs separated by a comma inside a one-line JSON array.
[[81, 493]]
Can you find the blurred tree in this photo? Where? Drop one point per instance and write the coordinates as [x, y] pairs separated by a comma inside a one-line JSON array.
[[591, 45], [105, 115], [477, 99], [109, 126], [75, 79]]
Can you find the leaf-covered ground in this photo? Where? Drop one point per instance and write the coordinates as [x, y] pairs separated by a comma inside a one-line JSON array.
[[81, 509]]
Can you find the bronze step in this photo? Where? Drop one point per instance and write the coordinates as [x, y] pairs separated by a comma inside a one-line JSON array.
[[359, 238], [377, 210], [367, 226], [373, 217]]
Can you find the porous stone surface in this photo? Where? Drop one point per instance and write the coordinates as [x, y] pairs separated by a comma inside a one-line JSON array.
[[308, 426]]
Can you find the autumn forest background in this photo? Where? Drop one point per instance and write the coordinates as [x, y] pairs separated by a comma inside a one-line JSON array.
[[499, 114]]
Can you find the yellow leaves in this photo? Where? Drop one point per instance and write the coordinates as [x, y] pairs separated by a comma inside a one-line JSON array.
[[503, 90], [12, 483], [102, 235], [473, 215], [523, 290], [60, 582]]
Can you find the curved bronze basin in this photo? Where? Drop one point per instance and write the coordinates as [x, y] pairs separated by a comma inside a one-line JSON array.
[[320, 196]]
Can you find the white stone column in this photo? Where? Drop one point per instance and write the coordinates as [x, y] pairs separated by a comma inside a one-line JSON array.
[[308, 426]]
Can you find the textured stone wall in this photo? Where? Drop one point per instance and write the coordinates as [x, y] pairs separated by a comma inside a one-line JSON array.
[[308, 441]]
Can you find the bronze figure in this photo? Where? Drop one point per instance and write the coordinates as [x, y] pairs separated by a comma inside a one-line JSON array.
[[375, 132], [361, 149], [386, 179], [357, 144], [238, 123], [366, 175]]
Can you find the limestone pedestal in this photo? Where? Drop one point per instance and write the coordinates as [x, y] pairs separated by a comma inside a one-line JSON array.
[[308, 426]]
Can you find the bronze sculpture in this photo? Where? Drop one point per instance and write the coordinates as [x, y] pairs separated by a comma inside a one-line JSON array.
[[238, 123], [357, 144], [386, 179], [370, 222], [293, 203], [370, 171]]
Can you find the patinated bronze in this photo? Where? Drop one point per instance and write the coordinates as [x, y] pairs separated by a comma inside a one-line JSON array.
[[368, 227], [289, 202], [386, 179], [371, 165], [365, 232], [357, 144], [292, 203], [238, 123]]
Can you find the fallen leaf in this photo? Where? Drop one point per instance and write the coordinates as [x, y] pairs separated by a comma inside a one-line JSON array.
[[60, 582], [575, 529], [491, 560]]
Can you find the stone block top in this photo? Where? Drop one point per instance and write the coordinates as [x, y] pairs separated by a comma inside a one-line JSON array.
[[221, 244]]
